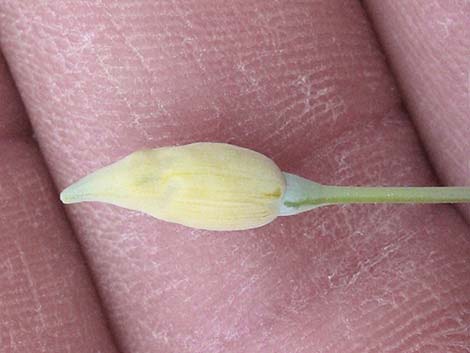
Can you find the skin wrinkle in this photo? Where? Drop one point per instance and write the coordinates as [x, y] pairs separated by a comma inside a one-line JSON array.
[[412, 317], [397, 342], [39, 297], [47, 303], [428, 49], [165, 286], [12, 115]]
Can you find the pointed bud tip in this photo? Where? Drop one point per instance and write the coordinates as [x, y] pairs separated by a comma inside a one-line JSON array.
[[67, 196], [77, 192]]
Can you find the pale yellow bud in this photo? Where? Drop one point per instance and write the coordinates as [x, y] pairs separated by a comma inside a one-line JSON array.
[[202, 185]]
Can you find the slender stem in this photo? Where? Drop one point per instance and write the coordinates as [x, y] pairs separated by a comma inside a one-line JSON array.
[[355, 194], [303, 195]]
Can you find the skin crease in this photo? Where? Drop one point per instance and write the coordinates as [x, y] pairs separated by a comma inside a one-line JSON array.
[[428, 45], [304, 83], [13, 120], [47, 300]]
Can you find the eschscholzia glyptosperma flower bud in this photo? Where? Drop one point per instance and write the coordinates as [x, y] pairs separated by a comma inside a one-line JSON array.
[[212, 186], [218, 186]]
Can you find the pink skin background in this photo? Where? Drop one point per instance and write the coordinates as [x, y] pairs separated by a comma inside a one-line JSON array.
[[342, 92]]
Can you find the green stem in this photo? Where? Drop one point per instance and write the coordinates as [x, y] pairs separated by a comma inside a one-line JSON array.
[[303, 195], [355, 194]]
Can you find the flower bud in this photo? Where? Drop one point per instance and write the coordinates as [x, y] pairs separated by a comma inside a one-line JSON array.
[[211, 186]]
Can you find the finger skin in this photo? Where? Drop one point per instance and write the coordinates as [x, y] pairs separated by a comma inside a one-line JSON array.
[[428, 46], [13, 119], [303, 83], [47, 300]]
